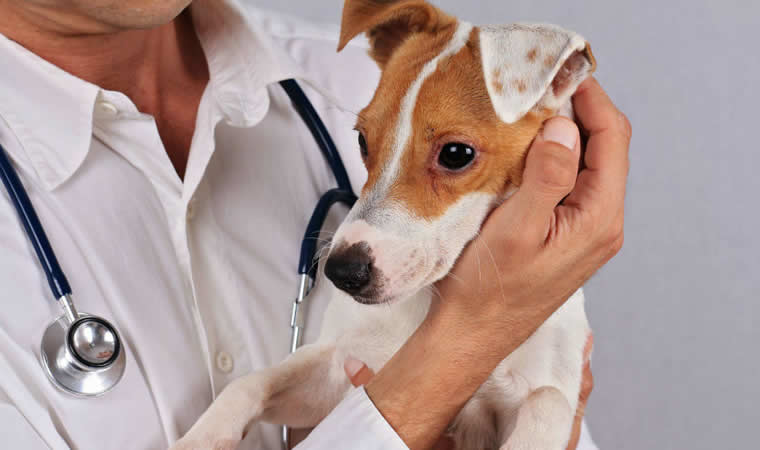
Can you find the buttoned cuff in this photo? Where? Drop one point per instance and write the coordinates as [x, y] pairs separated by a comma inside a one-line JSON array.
[[354, 423]]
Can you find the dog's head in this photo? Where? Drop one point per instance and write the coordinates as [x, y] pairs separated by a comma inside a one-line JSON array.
[[444, 138]]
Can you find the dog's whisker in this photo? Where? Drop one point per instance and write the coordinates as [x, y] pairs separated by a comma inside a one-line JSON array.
[[455, 277], [319, 240], [496, 269], [480, 271]]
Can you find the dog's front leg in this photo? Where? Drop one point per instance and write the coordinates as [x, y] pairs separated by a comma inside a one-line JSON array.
[[544, 422], [299, 392]]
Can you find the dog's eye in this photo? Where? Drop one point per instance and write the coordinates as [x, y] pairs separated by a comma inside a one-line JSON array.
[[455, 155], [362, 145]]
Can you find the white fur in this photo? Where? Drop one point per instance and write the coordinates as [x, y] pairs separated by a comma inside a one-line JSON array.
[[504, 50], [530, 399], [404, 126]]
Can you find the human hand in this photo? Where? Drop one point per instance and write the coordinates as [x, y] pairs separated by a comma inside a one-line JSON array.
[[533, 251]]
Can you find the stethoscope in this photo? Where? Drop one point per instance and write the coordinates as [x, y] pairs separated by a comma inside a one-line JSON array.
[[82, 354]]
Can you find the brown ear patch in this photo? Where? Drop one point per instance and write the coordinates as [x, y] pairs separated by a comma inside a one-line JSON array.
[[498, 86], [520, 85], [532, 54], [389, 23]]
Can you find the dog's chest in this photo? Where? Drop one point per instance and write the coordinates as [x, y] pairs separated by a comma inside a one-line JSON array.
[[372, 333], [552, 356]]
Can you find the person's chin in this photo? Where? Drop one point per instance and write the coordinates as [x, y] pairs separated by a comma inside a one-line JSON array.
[[133, 14]]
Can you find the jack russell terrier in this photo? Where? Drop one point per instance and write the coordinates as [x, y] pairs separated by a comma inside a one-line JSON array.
[[444, 140]]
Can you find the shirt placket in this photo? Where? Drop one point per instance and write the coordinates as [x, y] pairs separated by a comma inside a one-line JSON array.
[[147, 153], [213, 302]]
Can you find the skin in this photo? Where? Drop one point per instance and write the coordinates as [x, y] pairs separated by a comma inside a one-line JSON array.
[[365, 374], [542, 252], [146, 49]]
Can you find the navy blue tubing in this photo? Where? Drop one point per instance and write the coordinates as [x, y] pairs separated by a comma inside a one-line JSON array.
[[306, 263], [59, 285], [342, 194]]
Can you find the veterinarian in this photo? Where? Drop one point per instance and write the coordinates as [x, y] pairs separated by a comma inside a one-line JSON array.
[[174, 179]]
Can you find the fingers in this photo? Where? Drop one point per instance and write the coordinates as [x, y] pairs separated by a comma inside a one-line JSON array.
[[595, 110], [606, 156], [357, 371], [550, 172]]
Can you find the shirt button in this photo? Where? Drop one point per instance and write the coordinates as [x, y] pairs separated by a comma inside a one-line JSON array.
[[107, 108], [191, 208], [224, 362]]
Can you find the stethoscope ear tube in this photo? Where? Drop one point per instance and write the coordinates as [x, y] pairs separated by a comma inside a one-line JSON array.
[[318, 130], [307, 264], [59, 285]]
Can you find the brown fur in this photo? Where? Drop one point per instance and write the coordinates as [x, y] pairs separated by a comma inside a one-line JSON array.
[[389, 23], [454, 103], [377, 121], [532, 54]]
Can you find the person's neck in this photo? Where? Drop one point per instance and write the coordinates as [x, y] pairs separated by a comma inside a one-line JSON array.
[[162, 70], [141, 63]]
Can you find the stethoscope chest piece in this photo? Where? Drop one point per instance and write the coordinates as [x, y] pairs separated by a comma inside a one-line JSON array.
[[83, 358]]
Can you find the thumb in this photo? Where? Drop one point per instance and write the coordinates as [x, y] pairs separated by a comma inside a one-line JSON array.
[[551, 168]]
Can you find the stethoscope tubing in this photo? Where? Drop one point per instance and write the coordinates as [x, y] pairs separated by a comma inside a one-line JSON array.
[[307, 264], [318, 130], [59, 285]]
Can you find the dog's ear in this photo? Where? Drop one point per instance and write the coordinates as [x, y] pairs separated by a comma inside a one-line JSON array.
[[532, 67], [388, 23]]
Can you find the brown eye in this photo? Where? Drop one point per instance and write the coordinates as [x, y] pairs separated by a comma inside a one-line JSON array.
[[362, 145], [456, 156]]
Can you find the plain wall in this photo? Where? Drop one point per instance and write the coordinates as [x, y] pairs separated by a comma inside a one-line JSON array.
[[676, 362]]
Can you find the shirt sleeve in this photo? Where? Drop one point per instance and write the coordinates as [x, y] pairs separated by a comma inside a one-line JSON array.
[[354, 423]]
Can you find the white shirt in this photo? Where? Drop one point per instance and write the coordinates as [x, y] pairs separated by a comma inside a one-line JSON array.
[[197, 275]]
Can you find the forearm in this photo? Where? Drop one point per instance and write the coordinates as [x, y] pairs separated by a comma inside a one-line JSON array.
[[423, 387]]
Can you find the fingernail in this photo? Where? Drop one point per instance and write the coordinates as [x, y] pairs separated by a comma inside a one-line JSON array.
[[562, 132], [352, 366]]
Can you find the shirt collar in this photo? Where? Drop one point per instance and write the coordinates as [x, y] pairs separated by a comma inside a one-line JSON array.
[[243, 59], [50, 111]]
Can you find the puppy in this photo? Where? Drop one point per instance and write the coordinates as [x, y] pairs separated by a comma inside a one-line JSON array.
[[444, 141]]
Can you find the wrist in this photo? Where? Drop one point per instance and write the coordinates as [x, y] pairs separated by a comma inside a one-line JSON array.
[[426, 383]]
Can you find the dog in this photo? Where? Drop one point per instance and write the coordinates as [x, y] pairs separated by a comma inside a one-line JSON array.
[[444, 140]]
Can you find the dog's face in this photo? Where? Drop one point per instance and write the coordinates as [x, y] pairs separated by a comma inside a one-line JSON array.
[[444, 138]]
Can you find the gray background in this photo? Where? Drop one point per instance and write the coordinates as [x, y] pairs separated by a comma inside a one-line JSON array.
[[676, 361]]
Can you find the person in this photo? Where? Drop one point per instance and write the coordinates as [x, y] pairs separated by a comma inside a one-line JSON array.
[[174, 180]]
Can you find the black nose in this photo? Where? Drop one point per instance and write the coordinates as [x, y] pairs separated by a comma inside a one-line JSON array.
[[350, 268]]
